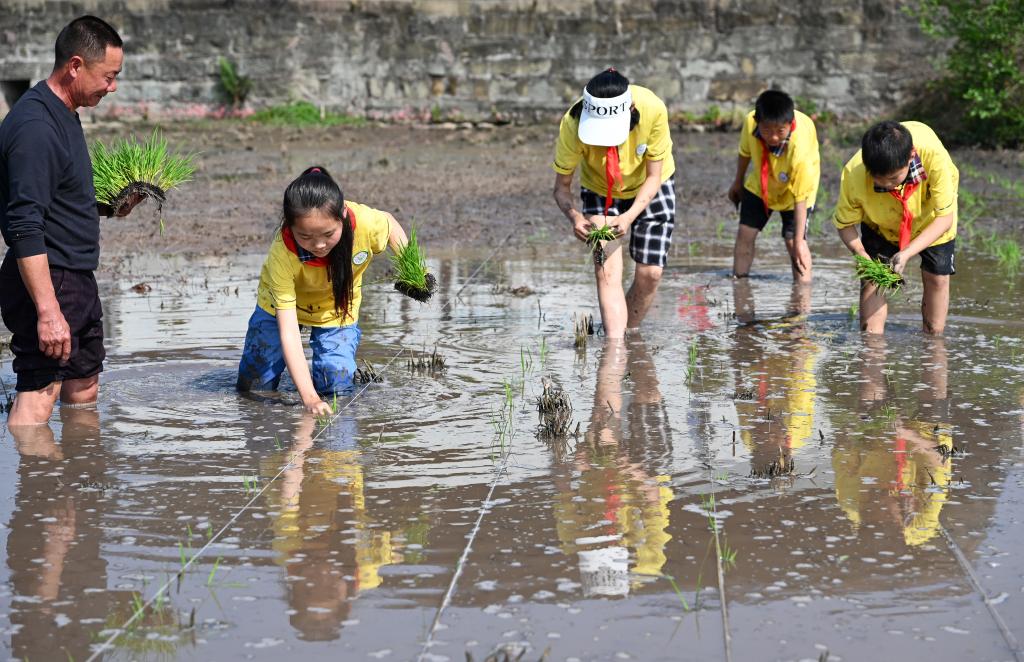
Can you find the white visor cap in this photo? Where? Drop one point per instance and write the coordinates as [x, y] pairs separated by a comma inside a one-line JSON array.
[[605, 122]]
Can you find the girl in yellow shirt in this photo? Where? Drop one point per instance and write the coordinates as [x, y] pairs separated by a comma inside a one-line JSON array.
[[313, 277]]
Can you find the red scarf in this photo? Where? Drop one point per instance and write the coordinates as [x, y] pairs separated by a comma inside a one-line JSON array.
[[766, 166], [305, 256], [612, 174], [908, 216]]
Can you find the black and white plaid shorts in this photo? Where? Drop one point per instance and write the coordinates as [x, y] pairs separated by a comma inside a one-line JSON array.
[[651, 234]]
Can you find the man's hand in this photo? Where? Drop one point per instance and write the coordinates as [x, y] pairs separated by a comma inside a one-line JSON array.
[[801, 256], [735, 192], [54, 336]]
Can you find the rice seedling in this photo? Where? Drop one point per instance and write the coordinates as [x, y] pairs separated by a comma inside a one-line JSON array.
[[132, 171], [691, 369], [596, 239], [213, 571], [365, 375], [542, 351], [430, 364], [879, 274], [1007, 252], [555, 411], [583, 326], [783, 465], [411, 277], [525, 361]]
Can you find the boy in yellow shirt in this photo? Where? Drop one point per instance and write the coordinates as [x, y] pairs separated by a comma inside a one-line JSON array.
[[901, 188], [783, 144], [618, 135]]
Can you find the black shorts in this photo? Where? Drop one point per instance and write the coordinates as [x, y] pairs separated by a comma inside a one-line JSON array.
[[936, 260], [752, 215], [79, 301], [650, 235]]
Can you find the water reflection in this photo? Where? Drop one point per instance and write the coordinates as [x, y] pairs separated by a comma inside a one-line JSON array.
[[611, 509], [891, 471], [58, 575], [324, 535]]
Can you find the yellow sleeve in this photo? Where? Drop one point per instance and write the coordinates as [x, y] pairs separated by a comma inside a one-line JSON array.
[[279, 273], [659, 144], [376, 226], [807, 169], [849, 210], [568, 149], [746, 141], [942, 181]]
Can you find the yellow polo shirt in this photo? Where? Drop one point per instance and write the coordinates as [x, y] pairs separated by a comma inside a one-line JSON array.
[[794, 174], [882, 212], [648, 141], [287, 283]]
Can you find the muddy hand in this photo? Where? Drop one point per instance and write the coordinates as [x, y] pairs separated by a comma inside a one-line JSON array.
[[898, 262], [129, 204], [318, 407], [581, 226]]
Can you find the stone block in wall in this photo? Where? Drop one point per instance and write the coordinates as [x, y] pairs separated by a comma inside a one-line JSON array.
[[736, 90]]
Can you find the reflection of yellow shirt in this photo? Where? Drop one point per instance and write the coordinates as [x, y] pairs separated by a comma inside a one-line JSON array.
[[288, 284], [614, 511], [648, 141], [794, 174], [795, 371], [315, 510], [936, 195], [914, 479]]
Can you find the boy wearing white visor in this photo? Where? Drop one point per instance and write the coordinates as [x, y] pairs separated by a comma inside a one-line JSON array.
[[618, 135]]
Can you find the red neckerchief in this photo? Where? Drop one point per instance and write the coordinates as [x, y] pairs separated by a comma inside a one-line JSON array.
[[766, 166], [908, 216], [305, 256], [612, 174]]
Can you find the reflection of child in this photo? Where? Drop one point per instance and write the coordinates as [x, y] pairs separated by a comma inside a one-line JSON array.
[[901, 188], [783, 144], [313, 277]]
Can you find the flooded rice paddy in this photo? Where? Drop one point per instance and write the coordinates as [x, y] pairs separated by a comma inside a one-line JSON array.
[[749, 478]]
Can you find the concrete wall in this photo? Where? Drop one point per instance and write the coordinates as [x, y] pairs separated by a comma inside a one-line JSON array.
[[485, 58]]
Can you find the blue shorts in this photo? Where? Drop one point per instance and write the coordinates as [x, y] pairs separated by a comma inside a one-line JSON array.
[[334, 355]]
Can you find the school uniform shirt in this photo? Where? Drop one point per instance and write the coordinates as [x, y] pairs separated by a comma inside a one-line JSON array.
[[793, 175], [648, 141], [286, 283], [882, 212]]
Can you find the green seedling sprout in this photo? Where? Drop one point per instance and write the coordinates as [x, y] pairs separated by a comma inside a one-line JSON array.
[[879, 274], [595, 238], [130, 169], [213, 571], [411, 277]]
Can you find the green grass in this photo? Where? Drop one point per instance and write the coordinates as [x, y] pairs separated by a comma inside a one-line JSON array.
[[129, 162], [878, 273], [235, 86], [303, 113], [410, 264]]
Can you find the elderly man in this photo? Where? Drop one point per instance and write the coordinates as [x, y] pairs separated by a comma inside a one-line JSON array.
[[49, 218]]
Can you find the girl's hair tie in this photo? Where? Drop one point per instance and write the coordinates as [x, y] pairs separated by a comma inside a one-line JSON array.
[[315, 170]]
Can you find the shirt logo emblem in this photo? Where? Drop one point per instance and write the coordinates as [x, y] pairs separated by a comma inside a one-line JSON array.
[[360, 257], [641, 149], [783, 177]]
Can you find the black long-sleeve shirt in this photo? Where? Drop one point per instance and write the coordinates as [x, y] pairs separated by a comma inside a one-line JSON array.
[[47, 198]]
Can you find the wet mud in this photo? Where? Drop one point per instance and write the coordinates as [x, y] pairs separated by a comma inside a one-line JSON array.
[[747, 478]]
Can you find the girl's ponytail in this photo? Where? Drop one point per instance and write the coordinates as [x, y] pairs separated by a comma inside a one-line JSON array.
[[315, 189]]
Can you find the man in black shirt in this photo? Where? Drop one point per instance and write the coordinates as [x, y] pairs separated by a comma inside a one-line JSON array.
[[49, 219]]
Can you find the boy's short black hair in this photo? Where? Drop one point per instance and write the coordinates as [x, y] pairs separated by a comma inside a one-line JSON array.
[[774, 106], [87, 37], [886, 147]]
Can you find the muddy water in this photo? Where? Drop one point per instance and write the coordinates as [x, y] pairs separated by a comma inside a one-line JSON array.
[[344, 540]]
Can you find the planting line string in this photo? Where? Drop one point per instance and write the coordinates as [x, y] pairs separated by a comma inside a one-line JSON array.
[[461, 563], [975, 582], [726, 636], [209, 543], [215, 537]]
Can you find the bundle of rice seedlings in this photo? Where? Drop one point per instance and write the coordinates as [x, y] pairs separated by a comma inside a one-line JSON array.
[[411, 277], [136, 170], [880, 274], [595, 239]]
